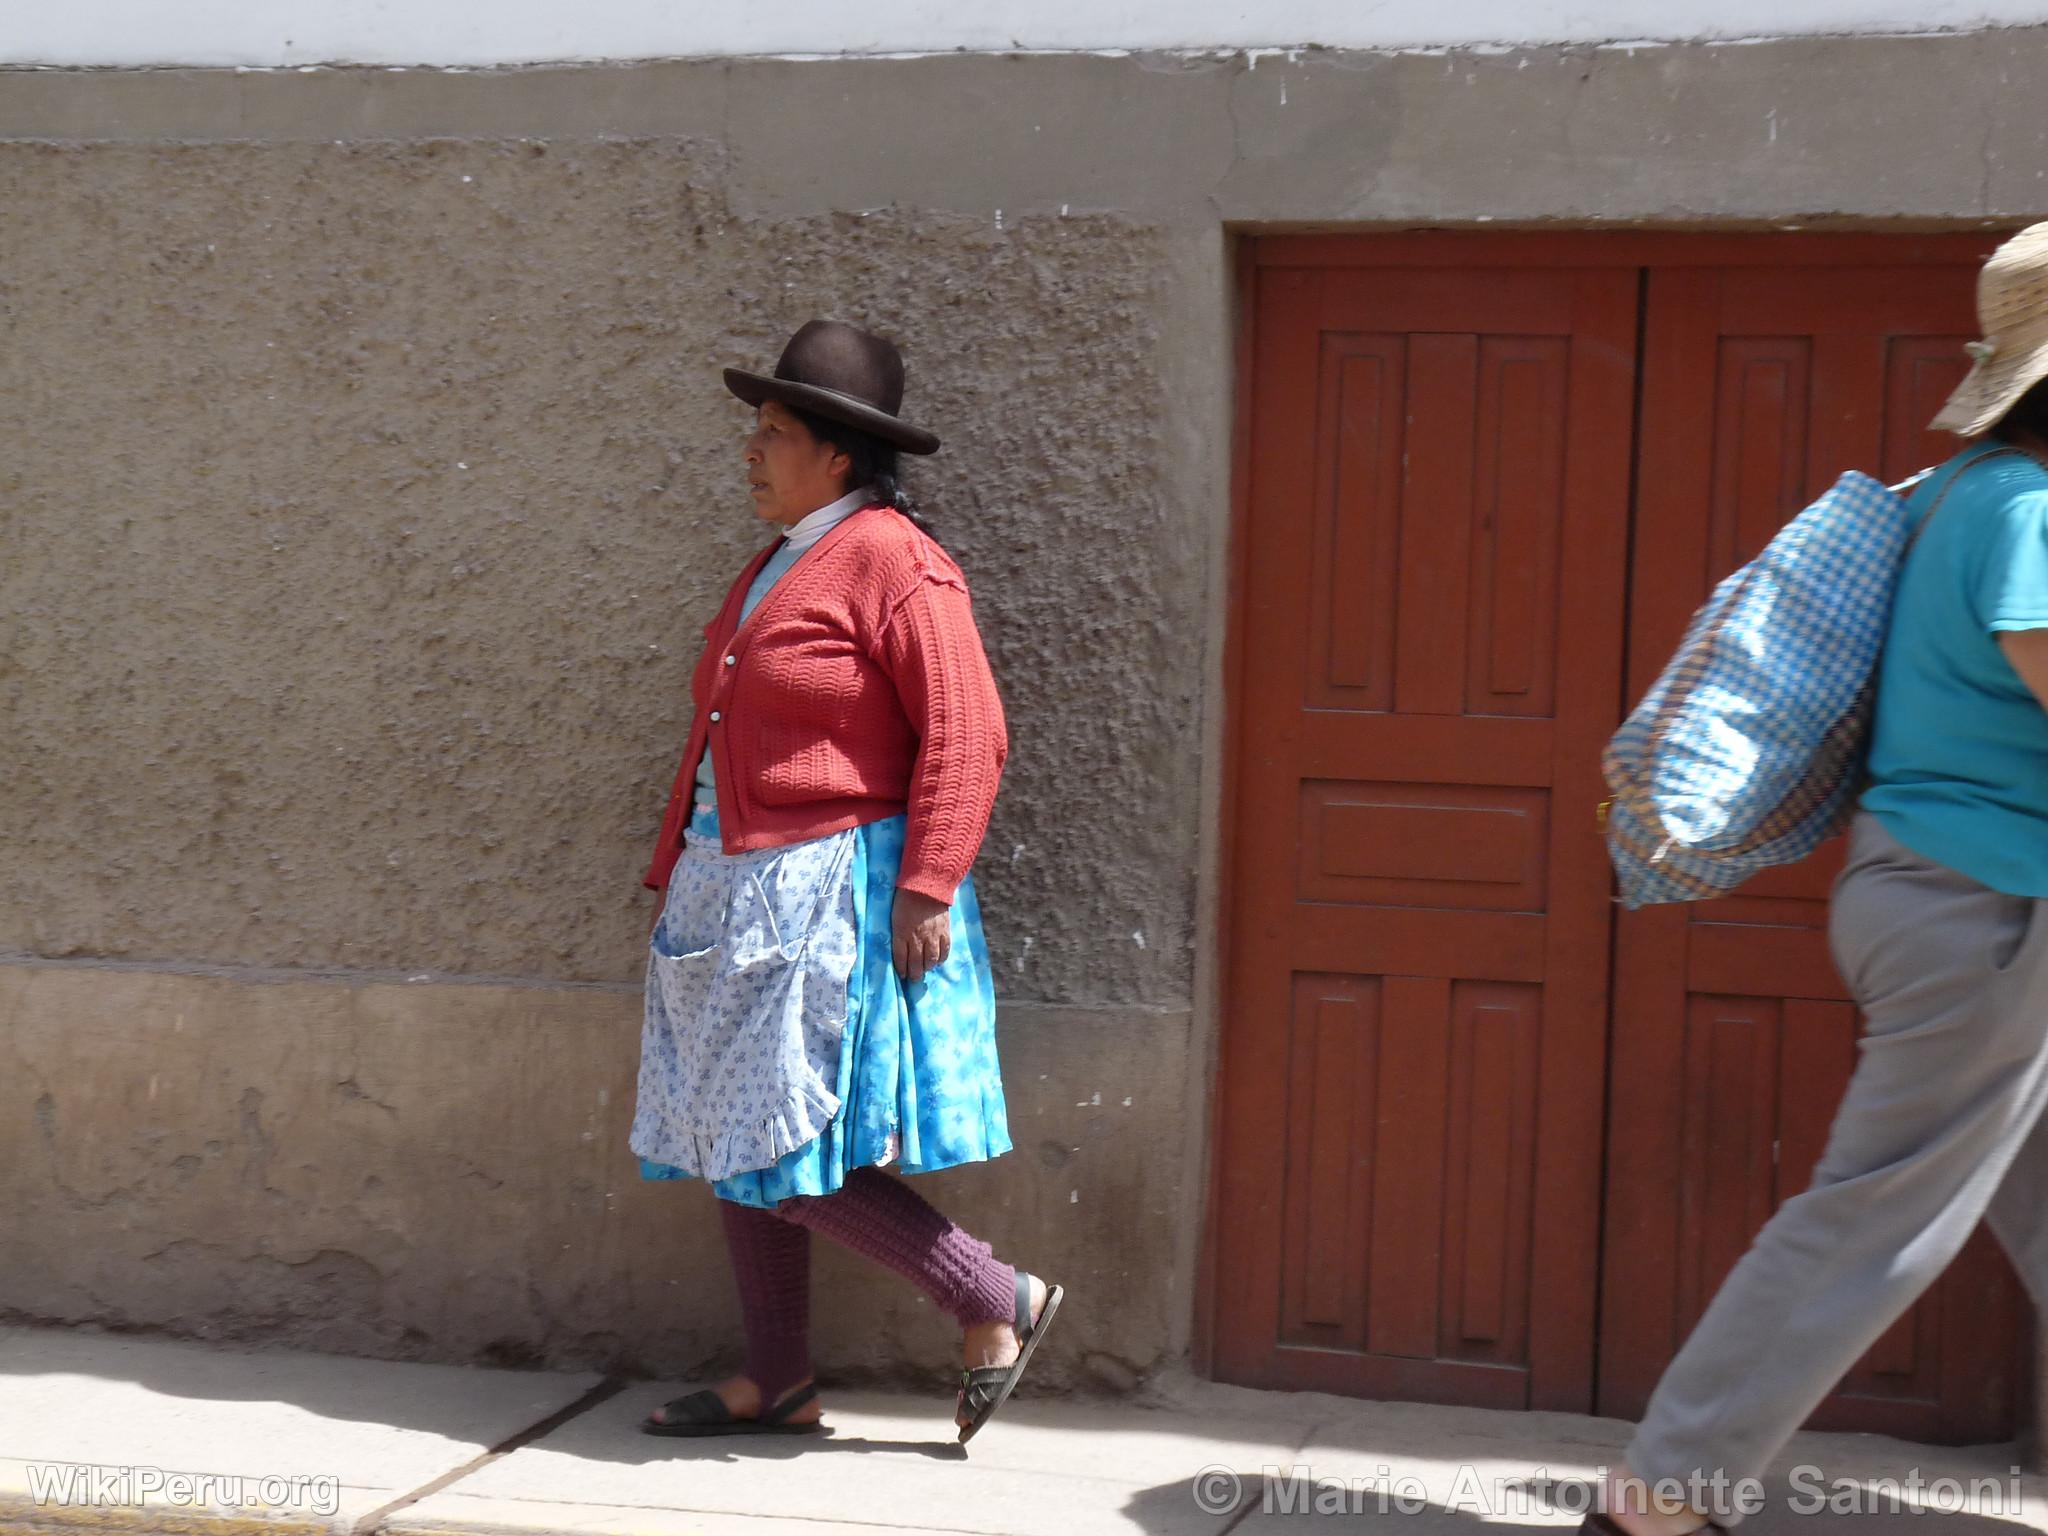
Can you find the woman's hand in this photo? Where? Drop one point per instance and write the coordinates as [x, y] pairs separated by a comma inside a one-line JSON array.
[[923, 934]]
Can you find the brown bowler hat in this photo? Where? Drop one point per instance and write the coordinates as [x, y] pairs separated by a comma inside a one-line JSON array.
[[843, 372]]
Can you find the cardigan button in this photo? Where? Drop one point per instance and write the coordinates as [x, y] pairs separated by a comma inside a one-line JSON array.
[[715, 717], [732, 661]]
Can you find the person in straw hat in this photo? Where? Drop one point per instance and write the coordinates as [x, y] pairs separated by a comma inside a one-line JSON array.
[[1939, 927], [819, 1007]]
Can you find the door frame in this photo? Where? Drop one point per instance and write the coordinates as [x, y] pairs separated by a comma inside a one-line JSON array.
[[1255, 251]]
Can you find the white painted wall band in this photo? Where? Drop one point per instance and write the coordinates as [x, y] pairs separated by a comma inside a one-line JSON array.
[[457, 33]]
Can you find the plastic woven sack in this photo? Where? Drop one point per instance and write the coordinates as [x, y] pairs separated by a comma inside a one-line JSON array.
[[1748, 751]]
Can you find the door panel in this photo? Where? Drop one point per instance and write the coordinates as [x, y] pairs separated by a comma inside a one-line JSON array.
[[1733, 1036], [1445, 464], [1419, 961]]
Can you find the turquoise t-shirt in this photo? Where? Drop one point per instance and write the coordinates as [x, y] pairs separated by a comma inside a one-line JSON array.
[[1959, 753]]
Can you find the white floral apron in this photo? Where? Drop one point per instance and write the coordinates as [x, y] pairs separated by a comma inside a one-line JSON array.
[[746, 1002]]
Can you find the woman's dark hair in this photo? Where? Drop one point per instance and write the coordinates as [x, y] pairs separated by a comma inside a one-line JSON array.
[[874, 462], [2029, 413]]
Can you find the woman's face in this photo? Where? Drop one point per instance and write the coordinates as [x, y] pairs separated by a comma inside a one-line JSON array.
[[791, 473]]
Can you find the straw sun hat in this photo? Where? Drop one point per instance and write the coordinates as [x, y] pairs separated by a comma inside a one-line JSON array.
[[2012, 311]]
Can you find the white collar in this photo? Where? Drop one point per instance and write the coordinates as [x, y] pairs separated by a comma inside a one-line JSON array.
[[813, 526]]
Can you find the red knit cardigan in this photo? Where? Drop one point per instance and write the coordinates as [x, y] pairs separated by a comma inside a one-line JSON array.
[[857, 690]]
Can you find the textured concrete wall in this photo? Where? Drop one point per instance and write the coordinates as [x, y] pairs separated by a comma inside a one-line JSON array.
[[367, 479], [364, 502], [377, 495], [1927, 128], [438, 1172]]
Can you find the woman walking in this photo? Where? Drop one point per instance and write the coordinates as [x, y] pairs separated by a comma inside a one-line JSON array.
[[819, 1004], [1938, 927]]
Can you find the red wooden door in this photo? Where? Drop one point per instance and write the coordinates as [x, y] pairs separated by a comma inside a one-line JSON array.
[[1430, 644], [1733, 1038]]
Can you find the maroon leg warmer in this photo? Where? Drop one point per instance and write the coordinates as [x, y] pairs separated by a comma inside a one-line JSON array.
[[771, 1260], [881, 1216]]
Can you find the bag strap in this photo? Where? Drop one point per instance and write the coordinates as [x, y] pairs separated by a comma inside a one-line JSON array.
[[2003, 451]]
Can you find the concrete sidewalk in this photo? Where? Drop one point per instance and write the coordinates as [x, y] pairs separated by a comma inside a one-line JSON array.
[[96, 1430]]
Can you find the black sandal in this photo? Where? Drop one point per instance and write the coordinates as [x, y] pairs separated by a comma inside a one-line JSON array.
[[985, 1388], [705, 1413]]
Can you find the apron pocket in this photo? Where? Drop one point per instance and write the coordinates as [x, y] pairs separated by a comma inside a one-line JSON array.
[[694, 909]]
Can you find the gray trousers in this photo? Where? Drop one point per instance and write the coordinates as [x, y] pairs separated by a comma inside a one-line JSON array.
[[1941, 1125]]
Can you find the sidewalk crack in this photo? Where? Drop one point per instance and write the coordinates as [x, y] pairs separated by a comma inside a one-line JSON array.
[[610, 1387]]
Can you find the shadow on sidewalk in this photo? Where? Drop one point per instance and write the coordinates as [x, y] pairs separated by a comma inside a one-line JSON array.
[[1273, 1500], [1230, 1455], [141, 1377]]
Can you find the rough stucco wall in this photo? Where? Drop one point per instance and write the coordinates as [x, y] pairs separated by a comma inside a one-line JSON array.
[[440, 1172], [373, 496]]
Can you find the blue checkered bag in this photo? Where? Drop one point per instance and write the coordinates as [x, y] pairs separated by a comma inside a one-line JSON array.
[[1748, 751]]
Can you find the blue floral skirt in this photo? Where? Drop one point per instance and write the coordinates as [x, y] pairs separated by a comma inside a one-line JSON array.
[[920, 1086]]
